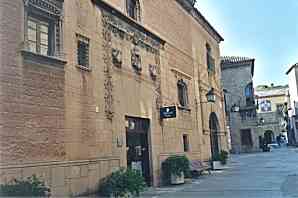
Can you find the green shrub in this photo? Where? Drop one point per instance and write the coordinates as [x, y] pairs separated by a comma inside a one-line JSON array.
[[175, 165], [123, 183], [222, 157], [32, 186]]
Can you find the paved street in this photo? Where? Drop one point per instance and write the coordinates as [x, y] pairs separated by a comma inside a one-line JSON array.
[[260, 175]]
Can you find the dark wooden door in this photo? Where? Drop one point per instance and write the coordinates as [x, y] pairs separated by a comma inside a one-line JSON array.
[[137, 146]]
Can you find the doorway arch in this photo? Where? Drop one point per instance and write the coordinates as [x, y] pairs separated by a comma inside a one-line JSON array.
[[214, 130], [268, 137]]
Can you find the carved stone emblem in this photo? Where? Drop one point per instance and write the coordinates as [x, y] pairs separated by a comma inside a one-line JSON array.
[[153, 71], [117, 57], [136, 60]]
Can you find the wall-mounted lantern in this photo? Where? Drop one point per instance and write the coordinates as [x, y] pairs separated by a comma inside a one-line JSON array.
[[211, 97]]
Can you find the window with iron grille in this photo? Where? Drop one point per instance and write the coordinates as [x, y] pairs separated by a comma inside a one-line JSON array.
[[133, 9], [182, 93], [83, 51]]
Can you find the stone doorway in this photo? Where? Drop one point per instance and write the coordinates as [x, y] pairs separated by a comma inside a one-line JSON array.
[[268, 137], [214, 132], [137, 146]]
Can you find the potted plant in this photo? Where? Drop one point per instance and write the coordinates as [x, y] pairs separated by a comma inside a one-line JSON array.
[[123, 183], [220, 160], [175, 168]]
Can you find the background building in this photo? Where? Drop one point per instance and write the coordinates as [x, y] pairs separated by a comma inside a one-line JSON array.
[[293, 105], [83, 82], [272, 104], [237, 80]]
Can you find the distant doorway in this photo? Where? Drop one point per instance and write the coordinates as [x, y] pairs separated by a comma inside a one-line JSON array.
[[246, 138], [214, 131], [137, 146], [268, 137]]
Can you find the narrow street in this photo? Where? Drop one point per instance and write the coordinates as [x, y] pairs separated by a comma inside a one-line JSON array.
[[259, 175]]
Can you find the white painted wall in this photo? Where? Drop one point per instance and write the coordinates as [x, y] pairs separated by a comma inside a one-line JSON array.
[[293, 90]]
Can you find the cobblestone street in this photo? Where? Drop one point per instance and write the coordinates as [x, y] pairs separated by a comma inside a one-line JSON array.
[[259, 175]]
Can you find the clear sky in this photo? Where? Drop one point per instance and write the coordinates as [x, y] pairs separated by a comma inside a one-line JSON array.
[[266, 30]]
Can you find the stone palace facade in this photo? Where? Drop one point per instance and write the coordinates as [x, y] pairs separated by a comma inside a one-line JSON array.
[[82, 83]]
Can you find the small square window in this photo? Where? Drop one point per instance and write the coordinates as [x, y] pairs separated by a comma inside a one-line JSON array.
[[83, 51], [185, 143]]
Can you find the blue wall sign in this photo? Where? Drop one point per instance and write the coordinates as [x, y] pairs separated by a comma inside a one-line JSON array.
[[168, 112]]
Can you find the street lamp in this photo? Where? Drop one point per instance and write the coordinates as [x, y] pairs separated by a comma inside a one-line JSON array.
[[211, 97], [262, 121]]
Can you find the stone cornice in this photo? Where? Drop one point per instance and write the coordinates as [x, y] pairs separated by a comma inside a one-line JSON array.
[[53, 7], [244, 63], [188, 5]]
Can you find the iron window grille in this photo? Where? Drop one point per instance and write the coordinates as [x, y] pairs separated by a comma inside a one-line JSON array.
[[133, 9], [182, 93], [83, 51]]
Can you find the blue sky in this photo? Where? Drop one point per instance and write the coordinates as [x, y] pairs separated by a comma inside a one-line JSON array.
[[266, 30]]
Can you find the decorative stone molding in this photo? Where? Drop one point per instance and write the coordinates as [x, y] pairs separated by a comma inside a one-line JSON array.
[[153, 71], [108, 84], [136, 61], [117, 57], [117, 25], [52, 7], [124, 30], [158, 82]]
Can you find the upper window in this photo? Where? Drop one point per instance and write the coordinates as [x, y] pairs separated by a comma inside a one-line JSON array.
[[249, 94], [133, 9], [249, 90], [210, 60], [83, 51], [182, 93], [280, 109], [39, 36], [43, 24], [265, 106]]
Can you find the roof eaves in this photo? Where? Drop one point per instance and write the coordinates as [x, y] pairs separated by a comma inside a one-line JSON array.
[[292, 67]]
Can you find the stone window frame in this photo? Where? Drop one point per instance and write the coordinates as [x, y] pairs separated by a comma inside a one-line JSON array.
[[137, 10], [50, 12], [39, 22], [182, 90], [249, 96], [209, 59], [84, 40], [280, 108]]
